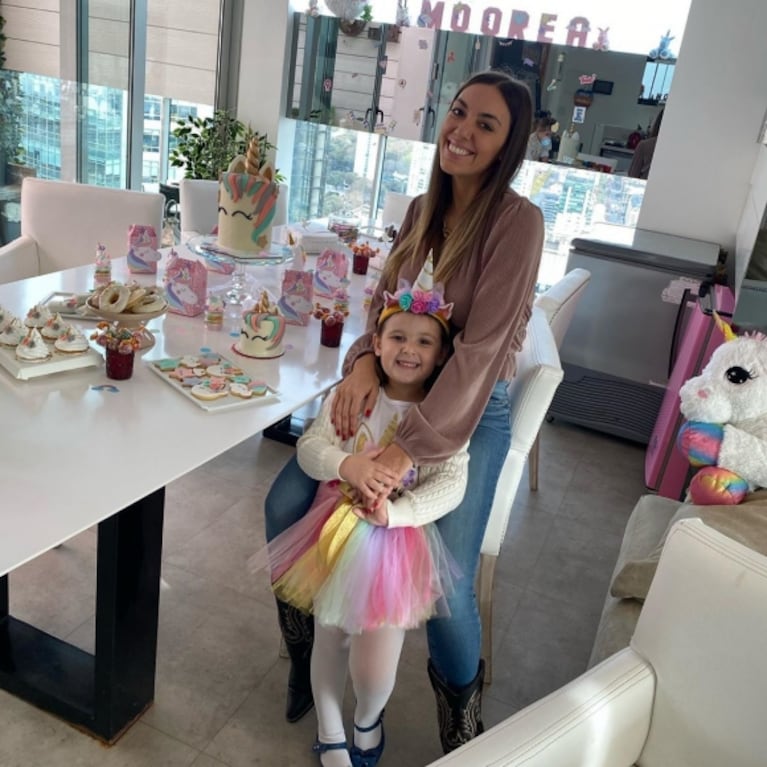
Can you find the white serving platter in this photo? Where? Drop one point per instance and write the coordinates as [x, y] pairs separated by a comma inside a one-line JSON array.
[[228, 402], [55, 301], [59, 362]]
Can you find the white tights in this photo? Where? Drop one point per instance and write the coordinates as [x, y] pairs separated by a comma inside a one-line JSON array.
[[371, 658]]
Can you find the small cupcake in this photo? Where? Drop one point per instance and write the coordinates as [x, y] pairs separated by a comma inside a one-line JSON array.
[[32, 348], [37, 316], [53, 327], [5, 318], [13, 332], [71, 341]]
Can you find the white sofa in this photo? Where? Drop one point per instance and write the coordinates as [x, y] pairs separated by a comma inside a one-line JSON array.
[[687, 692], [62, 223]]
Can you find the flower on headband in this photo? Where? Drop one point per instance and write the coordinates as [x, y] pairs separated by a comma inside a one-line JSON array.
[[423, 297]]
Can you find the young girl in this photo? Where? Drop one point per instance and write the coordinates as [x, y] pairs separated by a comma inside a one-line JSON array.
[[369, 574], [486, 242]]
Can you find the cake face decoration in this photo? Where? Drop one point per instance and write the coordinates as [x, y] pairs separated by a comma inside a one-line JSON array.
[[261, 331], [247, 203]]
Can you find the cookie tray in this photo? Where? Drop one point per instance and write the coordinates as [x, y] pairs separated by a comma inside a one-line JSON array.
[[215, 405]]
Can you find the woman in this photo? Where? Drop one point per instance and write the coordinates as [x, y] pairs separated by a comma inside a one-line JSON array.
[[486, 242], [644, 151], [539, 143]]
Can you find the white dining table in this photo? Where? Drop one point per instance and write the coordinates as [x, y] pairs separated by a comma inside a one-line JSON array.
[[75, 454]]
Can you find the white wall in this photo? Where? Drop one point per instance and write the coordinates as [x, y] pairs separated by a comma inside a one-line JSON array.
[[708, 143], [264, 62]]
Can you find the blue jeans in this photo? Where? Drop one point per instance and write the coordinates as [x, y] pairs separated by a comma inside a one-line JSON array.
[[454, 642]]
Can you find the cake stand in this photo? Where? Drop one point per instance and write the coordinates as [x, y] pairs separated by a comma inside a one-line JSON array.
[[240, 288], [131, 320]]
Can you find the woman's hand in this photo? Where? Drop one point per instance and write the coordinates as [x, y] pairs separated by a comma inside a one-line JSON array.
[[355, 396], [368, 477]]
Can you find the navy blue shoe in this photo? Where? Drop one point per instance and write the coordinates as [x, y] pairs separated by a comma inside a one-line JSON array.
[[370, 756], [321, 748]]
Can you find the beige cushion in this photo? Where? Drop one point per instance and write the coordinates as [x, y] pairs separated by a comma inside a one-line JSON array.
[[745, 523]]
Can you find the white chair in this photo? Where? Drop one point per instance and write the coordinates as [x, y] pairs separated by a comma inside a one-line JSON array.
[[559, 303], [538, 374], [62, 223], [198, 206], [688, 692]]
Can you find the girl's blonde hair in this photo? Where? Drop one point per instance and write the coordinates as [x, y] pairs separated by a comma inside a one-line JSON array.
[[427, 233]]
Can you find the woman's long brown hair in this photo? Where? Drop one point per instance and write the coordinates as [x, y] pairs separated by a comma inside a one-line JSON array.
[[427, 232]]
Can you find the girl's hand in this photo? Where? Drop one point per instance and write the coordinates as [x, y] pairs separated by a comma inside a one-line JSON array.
[[395, 459], [355, 396], [369, 478], [378, 517]]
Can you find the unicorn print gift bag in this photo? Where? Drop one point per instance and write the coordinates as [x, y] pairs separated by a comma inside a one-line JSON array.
[[186, 285], [331, 272], [295, 303]]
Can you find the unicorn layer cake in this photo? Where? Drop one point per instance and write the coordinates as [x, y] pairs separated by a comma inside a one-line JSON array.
[[261, 331], [247, 202]]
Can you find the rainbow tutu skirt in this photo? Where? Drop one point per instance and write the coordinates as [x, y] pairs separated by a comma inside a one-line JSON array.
[[358, 576]]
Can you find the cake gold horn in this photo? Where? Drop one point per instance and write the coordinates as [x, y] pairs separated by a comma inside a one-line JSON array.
[[253, 158]]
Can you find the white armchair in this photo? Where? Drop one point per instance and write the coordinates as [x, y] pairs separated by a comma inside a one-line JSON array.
[[688, 692], [559, 303], [538, 374], [63, 222]]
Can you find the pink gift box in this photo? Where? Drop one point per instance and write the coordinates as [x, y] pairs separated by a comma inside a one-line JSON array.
[[142, 249], [295, 303], [186, 285], [330, 272]]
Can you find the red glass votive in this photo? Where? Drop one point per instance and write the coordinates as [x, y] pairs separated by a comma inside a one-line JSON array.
[[119, 366], [360, 264], [330, 334]]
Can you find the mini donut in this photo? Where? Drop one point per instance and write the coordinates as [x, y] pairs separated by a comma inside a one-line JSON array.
[[136, 297], [150, 302], [114, 298]]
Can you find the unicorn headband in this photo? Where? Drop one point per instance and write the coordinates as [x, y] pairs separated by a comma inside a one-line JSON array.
[[423, 297]]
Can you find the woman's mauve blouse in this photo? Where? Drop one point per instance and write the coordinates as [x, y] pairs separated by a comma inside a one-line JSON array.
[[492, 293]]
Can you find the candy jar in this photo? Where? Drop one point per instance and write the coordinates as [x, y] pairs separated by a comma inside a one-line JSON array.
[[332, 325], [120, 344]]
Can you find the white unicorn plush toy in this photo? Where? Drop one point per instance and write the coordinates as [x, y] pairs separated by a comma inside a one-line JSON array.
[[726, 410]]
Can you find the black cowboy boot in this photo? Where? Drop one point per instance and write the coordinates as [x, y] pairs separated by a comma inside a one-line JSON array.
[[459, 711], [298, 632]]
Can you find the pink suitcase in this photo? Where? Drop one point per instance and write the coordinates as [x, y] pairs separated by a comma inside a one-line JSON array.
[[666, 469]]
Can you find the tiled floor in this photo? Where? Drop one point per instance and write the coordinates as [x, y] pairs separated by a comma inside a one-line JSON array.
[[220, 683]]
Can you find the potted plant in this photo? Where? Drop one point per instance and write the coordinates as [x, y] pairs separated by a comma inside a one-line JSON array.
[[206, 145]]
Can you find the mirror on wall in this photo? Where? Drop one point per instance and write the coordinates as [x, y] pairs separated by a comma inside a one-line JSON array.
[[400, 82]]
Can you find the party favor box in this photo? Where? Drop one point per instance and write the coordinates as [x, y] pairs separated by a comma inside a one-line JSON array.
[[296, 301], [186, 285], [142, 249], [330, 272]]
